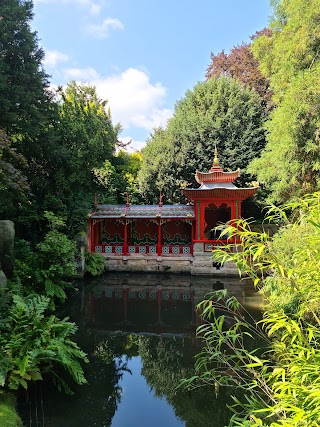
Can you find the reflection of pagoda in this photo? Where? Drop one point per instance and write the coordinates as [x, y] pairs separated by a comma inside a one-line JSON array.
[[175, 238]]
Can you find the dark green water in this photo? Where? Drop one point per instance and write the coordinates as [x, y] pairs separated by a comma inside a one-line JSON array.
[[139, 334]]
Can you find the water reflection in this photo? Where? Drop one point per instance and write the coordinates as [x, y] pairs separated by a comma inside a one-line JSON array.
[[139, 333]]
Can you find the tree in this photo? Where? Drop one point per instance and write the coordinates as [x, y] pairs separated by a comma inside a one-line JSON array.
[[86, 128], [13, 184], [241, 65], [290, 164], [23, 82], [26, 111], [82, 139], [218, 111]]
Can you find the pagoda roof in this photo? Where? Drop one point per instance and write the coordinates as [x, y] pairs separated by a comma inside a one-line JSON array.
[[217, 184], [220, 193], [143, 211], [216, 175]]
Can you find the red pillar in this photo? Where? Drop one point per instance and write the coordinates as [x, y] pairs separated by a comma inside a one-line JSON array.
[[159, 238], [93, 238], [97, 233], [233, 217], [90, 249], [125, 238], [233, 210], [192, 237], [202, 221], [238, 214]]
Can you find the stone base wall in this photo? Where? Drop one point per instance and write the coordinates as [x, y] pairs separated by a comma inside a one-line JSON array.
[[149, 263], [200, 263]]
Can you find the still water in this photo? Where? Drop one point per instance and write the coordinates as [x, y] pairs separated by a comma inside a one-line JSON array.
[[139, 334]]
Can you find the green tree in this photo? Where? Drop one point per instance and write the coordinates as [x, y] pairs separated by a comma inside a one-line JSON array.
[[107, 179], [218, 111], [13, 183], [25, 105], [127, 167], [86, 130], [82, 139], [23, 82], [290, 164]]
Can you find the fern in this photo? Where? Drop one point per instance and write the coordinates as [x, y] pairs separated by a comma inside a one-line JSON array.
[[33, 343]]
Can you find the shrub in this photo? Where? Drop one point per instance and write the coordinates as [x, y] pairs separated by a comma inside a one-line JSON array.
[[94, 264]]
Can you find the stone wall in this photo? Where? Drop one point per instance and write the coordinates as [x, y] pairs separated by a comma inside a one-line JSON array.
[[201, 263]]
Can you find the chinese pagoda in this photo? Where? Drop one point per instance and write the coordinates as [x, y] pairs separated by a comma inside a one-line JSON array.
[[174, 238]]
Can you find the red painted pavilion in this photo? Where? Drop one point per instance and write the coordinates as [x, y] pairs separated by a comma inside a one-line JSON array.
[[170, 230], [216, 201]]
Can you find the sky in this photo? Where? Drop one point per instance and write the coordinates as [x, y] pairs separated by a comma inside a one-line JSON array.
[[141, 55]]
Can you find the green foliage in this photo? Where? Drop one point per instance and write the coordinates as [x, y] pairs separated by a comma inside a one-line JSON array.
[[219, 111], [228, 357], [8, 413], [106, 177], [55, 222], [48, 268], [86, 130], [280, 381], [34, 345], [289, 57], [94, 264], [23, 83], [54, 259], [82, 139], [127, 167], [13, 183]]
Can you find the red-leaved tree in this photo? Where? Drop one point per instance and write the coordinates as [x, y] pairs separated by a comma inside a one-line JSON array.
[[241, 65]]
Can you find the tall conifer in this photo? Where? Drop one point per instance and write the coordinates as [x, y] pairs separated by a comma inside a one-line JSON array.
[[23, 82]]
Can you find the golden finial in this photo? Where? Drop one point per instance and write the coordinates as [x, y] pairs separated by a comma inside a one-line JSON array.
[[215, 160]]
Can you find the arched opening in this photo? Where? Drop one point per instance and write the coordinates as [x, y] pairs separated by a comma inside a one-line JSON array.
[[213, 216]]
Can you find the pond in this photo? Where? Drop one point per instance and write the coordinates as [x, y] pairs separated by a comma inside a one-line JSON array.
[[139, 334]]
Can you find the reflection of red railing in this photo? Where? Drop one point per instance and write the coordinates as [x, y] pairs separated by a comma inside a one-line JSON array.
[[143, 249]]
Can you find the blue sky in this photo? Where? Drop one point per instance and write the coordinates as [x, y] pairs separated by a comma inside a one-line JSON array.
[[142, 55]]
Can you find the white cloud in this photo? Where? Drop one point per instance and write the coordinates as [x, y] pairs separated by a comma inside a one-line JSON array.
[[52, 57], [102, 30], [81, 74], [134, 100], [93, 6]]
